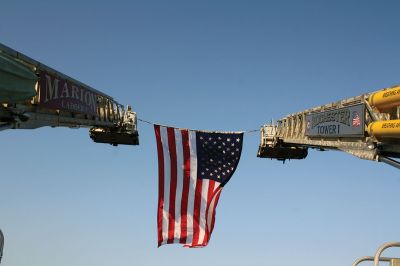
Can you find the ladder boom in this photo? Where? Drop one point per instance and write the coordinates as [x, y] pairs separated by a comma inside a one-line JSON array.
[[33, 95], [366, 126]]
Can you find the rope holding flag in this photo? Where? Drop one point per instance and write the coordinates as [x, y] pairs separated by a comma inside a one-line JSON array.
[[193, 168]]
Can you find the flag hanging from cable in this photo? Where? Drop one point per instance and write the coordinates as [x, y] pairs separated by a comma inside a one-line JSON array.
[[193, 167]]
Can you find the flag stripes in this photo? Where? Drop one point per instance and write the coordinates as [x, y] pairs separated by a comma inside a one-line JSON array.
[[160, 183], [186, 203]]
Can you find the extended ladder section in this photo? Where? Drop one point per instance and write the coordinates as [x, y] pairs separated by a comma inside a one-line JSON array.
[[366, 126], [33, 95]]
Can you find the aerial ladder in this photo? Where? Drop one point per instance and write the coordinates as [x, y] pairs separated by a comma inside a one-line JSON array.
[[33, 95], [366, 126]]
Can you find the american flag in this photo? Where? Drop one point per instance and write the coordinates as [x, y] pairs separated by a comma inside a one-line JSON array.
[[193, 166], [356, 119]]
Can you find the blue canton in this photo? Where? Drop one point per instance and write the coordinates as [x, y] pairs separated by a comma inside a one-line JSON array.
[[218, 155]]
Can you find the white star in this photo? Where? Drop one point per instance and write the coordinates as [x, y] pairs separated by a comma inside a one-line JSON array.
[[219, 176], [202, 173], [232, 153], [228, 139], [233, 144], [219, 138], [237, 140], [201, 137], [210, 138]]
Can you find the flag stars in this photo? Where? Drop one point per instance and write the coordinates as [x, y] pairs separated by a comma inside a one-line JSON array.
[[216, 160]]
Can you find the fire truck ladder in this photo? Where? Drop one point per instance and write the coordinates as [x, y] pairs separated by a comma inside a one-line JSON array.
[[33, 95], [366, 126]]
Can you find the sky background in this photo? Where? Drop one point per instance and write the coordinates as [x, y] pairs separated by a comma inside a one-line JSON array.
[[215, 65]]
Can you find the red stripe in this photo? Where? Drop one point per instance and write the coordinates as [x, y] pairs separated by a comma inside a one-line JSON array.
[[172, 188], [210, 195], [218, 193], [186, 183], [196, 214], [160, 183]]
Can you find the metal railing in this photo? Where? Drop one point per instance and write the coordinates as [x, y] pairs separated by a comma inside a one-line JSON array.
[[377, 258], [382, 248]]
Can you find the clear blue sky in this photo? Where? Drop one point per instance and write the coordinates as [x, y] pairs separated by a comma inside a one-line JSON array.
[[218, 65]]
